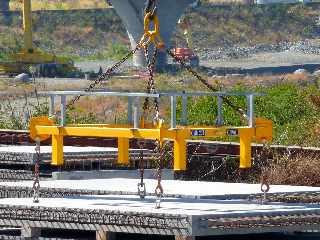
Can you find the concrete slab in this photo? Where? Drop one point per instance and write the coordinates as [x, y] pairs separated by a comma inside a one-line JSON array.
[[172, 188], [27, 155], [48, 149], [167, 174], [187, 217]]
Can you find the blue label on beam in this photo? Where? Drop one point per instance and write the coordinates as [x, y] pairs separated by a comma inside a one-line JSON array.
[[198, 133], [232, 132]]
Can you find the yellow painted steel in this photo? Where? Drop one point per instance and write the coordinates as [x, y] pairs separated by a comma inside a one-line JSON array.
[[57, 150], [123, 151], [151, 36], [38, 121], [27, 24], [180, 150], [246, 135], [261, 132], [28, 55]]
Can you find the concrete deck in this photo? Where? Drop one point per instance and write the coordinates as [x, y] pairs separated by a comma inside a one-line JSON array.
[[189, 208], [27, 155], [172, 188], [192, 217]]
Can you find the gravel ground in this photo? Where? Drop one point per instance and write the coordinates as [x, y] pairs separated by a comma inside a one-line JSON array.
[[311, 47], [272, 55], [263, 55]]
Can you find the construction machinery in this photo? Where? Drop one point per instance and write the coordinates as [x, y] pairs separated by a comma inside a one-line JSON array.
[[45, 64], [148, 123], [186, 53]]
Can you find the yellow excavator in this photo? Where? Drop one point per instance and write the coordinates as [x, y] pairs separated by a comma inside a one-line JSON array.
[[45, 64]]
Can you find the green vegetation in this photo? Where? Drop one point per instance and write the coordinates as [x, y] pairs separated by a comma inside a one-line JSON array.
[[216, 26], [294, 115], [91, 34], [294, 109], [60, 4]]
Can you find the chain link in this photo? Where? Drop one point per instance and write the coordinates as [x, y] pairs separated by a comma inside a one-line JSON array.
[[238, 109], [151, 88], [150, 6], [104, 76], [265, 187], [141, 185], [162, 151], [159, 189], [36, 182]]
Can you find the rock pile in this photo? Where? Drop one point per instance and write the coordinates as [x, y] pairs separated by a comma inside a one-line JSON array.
[[229, 52]]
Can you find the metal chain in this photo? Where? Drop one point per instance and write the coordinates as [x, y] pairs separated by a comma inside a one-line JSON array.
[[141, 185], [150, 6], [104, 76], [159, 189], [36, 182], [238, 109], [151, 88], [265, 187]]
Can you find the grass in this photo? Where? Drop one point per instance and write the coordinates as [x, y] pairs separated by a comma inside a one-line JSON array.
[[60, 4], [293, 108], [294, 170], [100, 34]]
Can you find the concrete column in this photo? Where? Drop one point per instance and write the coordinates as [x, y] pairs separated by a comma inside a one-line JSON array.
[[102, 235], [131, 13], [28, 232], [185, 238], [4, 5]]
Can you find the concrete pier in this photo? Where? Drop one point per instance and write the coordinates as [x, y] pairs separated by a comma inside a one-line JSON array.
[[4, 5], [102, 235], [132, 12], [29, 233]]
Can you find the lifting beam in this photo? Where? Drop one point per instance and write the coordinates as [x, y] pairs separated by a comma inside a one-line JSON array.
[[256, 130]]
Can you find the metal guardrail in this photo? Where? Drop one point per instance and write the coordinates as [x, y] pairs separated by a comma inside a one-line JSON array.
[[133, 114]]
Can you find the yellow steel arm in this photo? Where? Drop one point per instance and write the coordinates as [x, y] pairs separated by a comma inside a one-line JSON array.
[[262, 131]]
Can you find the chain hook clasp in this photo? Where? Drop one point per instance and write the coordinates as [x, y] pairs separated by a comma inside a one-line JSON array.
[[36, 182], [142, 191], [265, 187], [151, 36], [159, 190]]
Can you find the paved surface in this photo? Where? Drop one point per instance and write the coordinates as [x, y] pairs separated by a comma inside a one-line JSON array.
[[274, 59], [187, 189]]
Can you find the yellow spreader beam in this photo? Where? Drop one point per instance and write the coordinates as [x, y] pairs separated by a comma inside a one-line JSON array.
[[261, 132]]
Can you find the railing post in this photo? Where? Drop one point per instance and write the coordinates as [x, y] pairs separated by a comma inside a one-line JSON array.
[[51, 105], [173, 111], [184, 116], [220, 121], [130, 103], [250, 110], [63, 111], [136, 113]]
